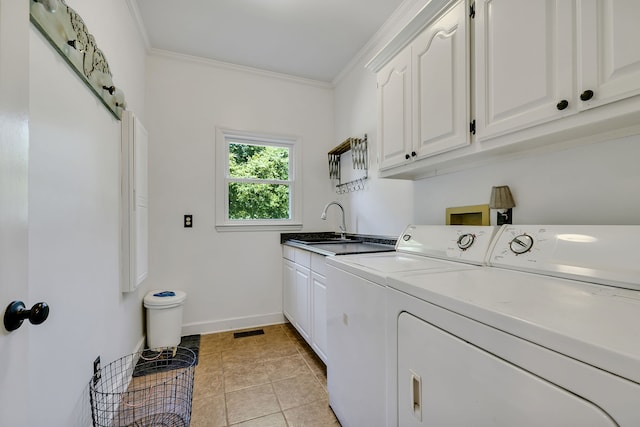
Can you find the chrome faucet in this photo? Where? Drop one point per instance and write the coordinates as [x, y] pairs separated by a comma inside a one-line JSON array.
[[343, 227]]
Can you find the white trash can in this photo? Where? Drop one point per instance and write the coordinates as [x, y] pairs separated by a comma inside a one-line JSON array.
[[164, 318]]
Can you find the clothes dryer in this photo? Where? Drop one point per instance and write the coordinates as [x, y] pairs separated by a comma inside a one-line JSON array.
[[545, 335]]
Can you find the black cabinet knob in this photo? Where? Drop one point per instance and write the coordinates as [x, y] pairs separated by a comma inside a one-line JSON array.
[[562, 104], [406, 156], [16, 313], [413, 154], [586, 95]]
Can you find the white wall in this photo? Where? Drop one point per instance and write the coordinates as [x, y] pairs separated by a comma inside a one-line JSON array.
[[74, 193], [592, 184], [232, 279]]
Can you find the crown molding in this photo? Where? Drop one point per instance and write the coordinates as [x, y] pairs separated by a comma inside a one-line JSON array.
[[240, 68], [137, 18], [401, 26]]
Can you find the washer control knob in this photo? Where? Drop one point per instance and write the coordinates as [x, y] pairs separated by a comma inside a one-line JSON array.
[[521, 244], [466, 241]]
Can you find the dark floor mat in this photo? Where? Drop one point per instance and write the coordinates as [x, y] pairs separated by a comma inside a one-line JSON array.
[[152, 361]]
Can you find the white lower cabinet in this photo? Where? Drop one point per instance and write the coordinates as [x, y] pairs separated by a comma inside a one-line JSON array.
[[319, 312], [289, 288], [305, 296], [302, 284]]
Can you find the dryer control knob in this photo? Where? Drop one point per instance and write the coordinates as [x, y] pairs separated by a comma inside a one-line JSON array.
[[521, 244], [466, 240]]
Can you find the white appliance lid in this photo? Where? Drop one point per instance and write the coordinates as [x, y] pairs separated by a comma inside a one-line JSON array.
[[604, 254], [461, 243]]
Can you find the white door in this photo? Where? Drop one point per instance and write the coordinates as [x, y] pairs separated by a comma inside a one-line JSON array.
[[394, 110], [609, 54], [524, 67], [441, 101], [14, 144]]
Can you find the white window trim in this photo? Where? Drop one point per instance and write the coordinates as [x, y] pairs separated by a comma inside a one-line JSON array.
[[222, 189]]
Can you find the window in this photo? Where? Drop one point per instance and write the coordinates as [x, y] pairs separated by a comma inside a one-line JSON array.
[[257, 184]]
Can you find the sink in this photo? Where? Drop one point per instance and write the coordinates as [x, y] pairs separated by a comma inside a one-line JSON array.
[[323, 241], [349, 247]]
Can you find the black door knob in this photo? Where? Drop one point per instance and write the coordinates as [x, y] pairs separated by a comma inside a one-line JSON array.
[[406, 156], [413, 154], [562, 104], [586, 95], [16, 312]]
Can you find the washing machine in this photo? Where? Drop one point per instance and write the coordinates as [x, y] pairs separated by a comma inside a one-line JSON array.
[[545, 335], [356, 302]]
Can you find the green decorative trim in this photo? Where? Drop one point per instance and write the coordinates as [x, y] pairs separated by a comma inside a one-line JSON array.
[[68, 34]]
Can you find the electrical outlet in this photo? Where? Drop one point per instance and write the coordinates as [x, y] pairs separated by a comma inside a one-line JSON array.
[[188, 221], [96, 370]]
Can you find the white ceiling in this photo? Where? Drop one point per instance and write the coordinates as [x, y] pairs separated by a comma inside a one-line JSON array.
[[313, 39]]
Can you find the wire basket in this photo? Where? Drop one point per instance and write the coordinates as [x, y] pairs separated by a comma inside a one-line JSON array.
[[144, 389]]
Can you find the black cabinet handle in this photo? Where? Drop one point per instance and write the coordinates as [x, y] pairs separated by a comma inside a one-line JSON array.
[[562, 104], [586, 95], [413, 154], [406, 156]]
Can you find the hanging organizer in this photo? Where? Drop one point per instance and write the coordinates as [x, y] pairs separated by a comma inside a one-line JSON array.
[[358, 147]]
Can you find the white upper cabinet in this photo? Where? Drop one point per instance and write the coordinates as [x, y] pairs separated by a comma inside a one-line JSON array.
[[441, 101], [609, 57], [394, 109], [544, 60], [524, 65], [540, 75], [423, 93]]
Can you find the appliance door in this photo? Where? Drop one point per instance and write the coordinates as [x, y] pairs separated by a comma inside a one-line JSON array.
[[446, 381], [356, 349]]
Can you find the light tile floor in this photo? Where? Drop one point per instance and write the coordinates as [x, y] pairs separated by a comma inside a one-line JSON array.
[[268, 380]]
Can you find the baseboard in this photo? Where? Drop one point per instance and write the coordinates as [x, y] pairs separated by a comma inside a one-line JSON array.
[[232, 324], [140, 346]]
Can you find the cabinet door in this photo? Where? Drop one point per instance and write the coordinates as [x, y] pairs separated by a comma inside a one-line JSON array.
[[440, 73], [394, 110], [289, 290], [609, 57], [301, 313], [524, 67], [319, 315]]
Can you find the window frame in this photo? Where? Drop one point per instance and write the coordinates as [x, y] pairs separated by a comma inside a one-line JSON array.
[[226, 136]]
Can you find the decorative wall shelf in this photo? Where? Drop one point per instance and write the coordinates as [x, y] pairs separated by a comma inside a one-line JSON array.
[[68, 34], [359, 157]]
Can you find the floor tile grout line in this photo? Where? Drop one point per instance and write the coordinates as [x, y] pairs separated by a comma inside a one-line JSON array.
[[300, 351]]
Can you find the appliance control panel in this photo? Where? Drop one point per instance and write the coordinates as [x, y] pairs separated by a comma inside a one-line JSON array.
[[468, 244], [592, 253]]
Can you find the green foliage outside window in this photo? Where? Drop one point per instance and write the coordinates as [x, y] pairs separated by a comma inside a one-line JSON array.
[[258, 200]]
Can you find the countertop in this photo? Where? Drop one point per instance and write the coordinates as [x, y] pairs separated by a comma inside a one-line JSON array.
[[361, 244]]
